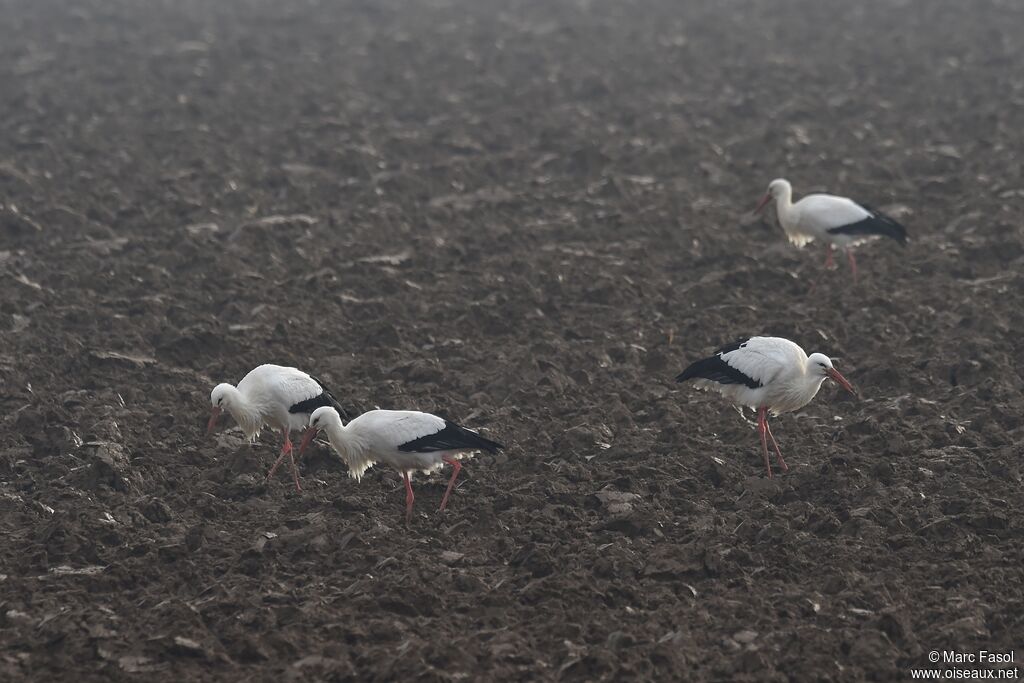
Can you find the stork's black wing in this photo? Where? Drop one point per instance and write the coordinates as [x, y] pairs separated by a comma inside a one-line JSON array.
[[451, 438], [324, 398], [875, 224], [717, 370]]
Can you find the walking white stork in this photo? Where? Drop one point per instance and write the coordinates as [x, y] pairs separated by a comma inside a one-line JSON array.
[[765, 374], [405, 440], [273, 395], [837, 221]]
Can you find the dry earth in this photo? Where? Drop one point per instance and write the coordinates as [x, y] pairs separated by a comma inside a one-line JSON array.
[[527, 216]]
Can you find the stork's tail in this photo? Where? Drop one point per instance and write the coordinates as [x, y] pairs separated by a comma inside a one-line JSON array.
[[452, 438], [889, 227], [473, 439], [876, 224]]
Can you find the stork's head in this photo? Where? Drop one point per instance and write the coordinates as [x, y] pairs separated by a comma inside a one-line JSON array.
[[320, 418], [777, 189], [220, 399], [820, 365]]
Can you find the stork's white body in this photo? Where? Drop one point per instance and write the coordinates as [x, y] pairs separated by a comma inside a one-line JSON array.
[[779, 365], [264, 397], [406, 440], [376, 436], [769, 374], [839, 222], [273, 395], [812, 217]]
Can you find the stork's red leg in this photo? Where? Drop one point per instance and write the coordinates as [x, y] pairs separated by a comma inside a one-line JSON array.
[[853, 264], [295, 469], [409, 498], [456, 465], [762, 429], [778, 453], [286, 449]]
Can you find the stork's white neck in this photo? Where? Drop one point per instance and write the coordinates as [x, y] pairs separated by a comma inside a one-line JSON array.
[[349, 443], [352, 445], [784, 206], [246, 414], [798, 390]]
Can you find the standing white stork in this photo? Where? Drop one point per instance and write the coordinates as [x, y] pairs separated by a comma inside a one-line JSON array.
[[406, 440], [765, 374], [273, 395], [837, 221]]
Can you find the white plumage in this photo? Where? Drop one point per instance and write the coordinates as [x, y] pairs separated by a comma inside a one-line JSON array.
[[768, 374], [270, 395], [405, 440], [375, 437], [778, 366], [839, 222]]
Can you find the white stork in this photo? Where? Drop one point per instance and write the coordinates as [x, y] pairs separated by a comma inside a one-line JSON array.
[[765, 374], [837, 221], [273, 395], [405, 440]]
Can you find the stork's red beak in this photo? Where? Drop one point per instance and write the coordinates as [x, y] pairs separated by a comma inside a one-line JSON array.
[[307, 438], [214, 414], [840, 380], [764, 202]]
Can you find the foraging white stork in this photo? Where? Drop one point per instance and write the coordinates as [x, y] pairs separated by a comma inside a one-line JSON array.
[[765, 374], [273, 395], [837, 221], [406, 440]]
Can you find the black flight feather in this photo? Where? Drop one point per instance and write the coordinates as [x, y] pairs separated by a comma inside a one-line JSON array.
[[717, 370], [324, 398], [875, 224], [451, 438]]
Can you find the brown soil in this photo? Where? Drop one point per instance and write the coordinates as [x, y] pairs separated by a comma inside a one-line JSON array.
[[527, 216]]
